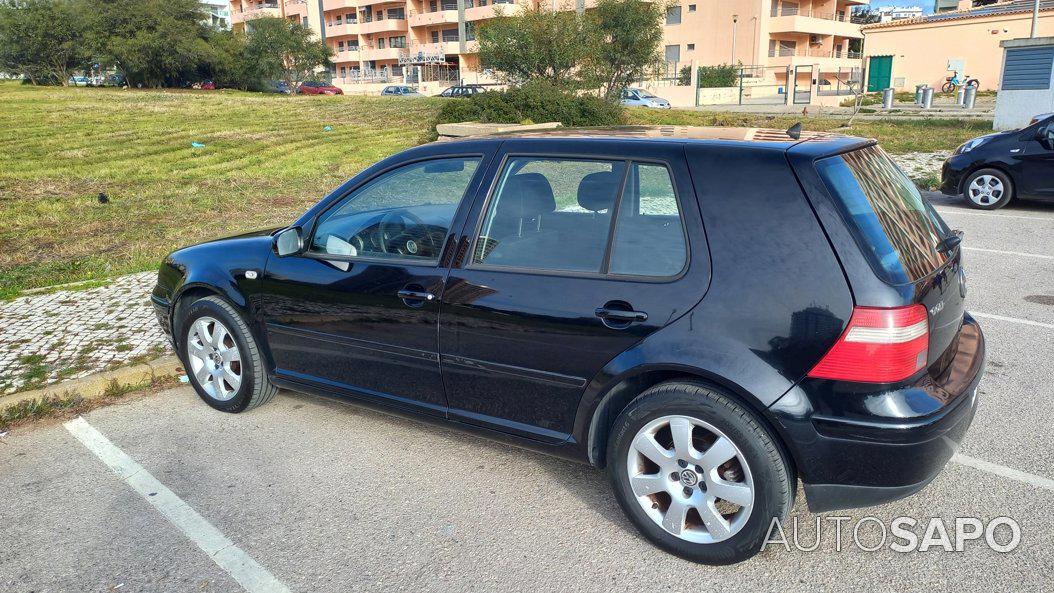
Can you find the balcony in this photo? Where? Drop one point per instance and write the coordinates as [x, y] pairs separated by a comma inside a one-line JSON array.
[[361, 3], [382, 26], [824, 58], [346, 56], [482, 13], [296, 9], [389, 53], [806, 21], [439, 17], [342, 30], [255, 11], [328, 5]]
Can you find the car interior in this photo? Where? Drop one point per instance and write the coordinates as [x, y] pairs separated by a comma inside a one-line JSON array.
[[525, 229]]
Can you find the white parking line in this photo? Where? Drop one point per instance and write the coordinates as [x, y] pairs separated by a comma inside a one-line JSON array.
[[1016, 253], [1012, 319], [1004, 471], [987, 215], [246, 571]]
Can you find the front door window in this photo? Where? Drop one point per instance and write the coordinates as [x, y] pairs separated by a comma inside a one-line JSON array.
[[405, 213]]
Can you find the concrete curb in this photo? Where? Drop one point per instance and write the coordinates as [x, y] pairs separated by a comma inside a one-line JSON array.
[[94, 386]]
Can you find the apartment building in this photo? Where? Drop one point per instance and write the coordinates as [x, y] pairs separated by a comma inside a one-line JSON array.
[[432, 42]]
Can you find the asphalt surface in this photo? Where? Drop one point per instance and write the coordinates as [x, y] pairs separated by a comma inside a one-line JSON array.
[[326, 496]]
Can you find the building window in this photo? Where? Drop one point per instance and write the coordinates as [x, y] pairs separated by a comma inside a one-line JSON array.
[[433, 6], [673, 15], [691, 47], [449, 34], [340, 46], [397, 42], [380, 43], [350, 18], [343, 71], [339, 21], [673, 54], [380, 15], [397, 14], [691, 8], [435, 36]]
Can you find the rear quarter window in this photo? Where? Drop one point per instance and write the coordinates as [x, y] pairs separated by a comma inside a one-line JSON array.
[[893, 224]]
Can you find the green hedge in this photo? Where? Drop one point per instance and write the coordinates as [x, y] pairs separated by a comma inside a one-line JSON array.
[[711, 76], [534, 102]]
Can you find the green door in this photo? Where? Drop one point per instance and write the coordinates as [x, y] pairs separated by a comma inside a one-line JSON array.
[[880, 72]]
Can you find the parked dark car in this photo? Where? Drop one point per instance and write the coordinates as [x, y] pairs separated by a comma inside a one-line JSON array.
[[276, 86], [710, 314], [313, 87], [992, 170], [462, 91]]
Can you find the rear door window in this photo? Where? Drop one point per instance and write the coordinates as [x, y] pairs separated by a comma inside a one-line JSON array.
[[894, 225]]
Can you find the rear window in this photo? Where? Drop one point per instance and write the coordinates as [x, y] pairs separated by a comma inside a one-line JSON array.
[[894, 225]]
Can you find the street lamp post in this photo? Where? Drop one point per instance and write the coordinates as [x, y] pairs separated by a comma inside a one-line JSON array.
[[735, 19]]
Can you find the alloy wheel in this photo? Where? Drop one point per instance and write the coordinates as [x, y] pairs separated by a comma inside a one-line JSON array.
[[214, 358], [690, 479], [985, 190]]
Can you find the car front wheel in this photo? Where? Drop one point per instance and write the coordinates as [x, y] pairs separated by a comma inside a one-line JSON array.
[[221, 357], [697, 473], [988, 189]]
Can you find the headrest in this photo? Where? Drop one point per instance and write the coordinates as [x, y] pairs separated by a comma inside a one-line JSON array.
[[597, 191], [526, 195]]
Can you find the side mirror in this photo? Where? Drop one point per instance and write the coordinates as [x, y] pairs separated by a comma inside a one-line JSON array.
[[289, 241]]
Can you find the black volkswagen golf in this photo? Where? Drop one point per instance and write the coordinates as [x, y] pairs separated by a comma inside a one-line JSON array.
[[711, 315]]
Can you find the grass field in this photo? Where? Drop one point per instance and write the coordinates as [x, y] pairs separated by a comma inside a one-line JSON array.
[[265, 159]]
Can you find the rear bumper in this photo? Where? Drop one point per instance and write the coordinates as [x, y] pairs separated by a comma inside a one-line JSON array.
[[893, 445]]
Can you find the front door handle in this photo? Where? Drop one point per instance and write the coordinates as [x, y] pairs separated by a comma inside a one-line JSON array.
[[415, 295], [620, 315]]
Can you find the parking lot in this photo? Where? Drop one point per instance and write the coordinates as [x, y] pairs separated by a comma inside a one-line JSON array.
[[312, 494]]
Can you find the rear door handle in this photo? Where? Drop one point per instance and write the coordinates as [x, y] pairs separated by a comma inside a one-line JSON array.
[[414, 295], [621, 315]]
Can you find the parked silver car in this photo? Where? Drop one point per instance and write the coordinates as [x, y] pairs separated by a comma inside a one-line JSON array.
[[400, 91], [642, 98]]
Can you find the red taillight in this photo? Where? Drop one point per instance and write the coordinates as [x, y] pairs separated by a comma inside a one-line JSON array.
[[878, 346]]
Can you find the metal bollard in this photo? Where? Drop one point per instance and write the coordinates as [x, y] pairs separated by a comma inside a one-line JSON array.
[[927, 98], [919, 90], [969, 97], [887, 98], [959, 95]]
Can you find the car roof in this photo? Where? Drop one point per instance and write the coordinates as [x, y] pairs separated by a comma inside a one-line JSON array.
[[816, 142]]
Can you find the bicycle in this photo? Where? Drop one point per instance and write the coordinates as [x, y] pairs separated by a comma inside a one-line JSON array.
[[952, 83]]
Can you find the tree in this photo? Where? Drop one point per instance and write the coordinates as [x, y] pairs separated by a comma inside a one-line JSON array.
[[152, 42], [624, 37], [278, 49], [42, 40], [535, 44]]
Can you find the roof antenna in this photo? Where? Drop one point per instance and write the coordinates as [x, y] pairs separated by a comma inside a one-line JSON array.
[[794, 131]]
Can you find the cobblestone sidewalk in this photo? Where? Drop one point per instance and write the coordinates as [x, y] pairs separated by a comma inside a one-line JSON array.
[[72, 333]]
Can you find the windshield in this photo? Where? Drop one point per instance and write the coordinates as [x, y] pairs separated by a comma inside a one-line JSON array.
[[646, 95], [896, 227]]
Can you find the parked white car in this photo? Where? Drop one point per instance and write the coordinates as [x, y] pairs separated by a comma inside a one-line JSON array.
[[400, 91], [642, 98]]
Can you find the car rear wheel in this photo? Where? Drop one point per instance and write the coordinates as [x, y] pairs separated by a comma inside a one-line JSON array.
[[221, 358], [988, 189], [697, 473]]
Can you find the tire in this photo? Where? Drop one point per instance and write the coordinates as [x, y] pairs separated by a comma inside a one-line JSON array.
[[948, 88], [213, 374], [988, 189], [715, 420]]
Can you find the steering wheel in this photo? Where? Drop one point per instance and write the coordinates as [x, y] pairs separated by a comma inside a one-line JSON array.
[[403, 242]]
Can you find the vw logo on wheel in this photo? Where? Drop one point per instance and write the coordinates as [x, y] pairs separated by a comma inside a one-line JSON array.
[[689, 478], [411, 246]]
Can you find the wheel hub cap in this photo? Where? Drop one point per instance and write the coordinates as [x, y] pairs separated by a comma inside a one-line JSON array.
[[214, 358], [690, 479]]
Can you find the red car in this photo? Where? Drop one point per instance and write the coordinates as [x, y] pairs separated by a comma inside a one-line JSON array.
[[313, 87]]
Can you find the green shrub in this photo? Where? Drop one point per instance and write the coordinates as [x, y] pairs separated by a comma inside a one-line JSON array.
[[535, 101], [710, 77]]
